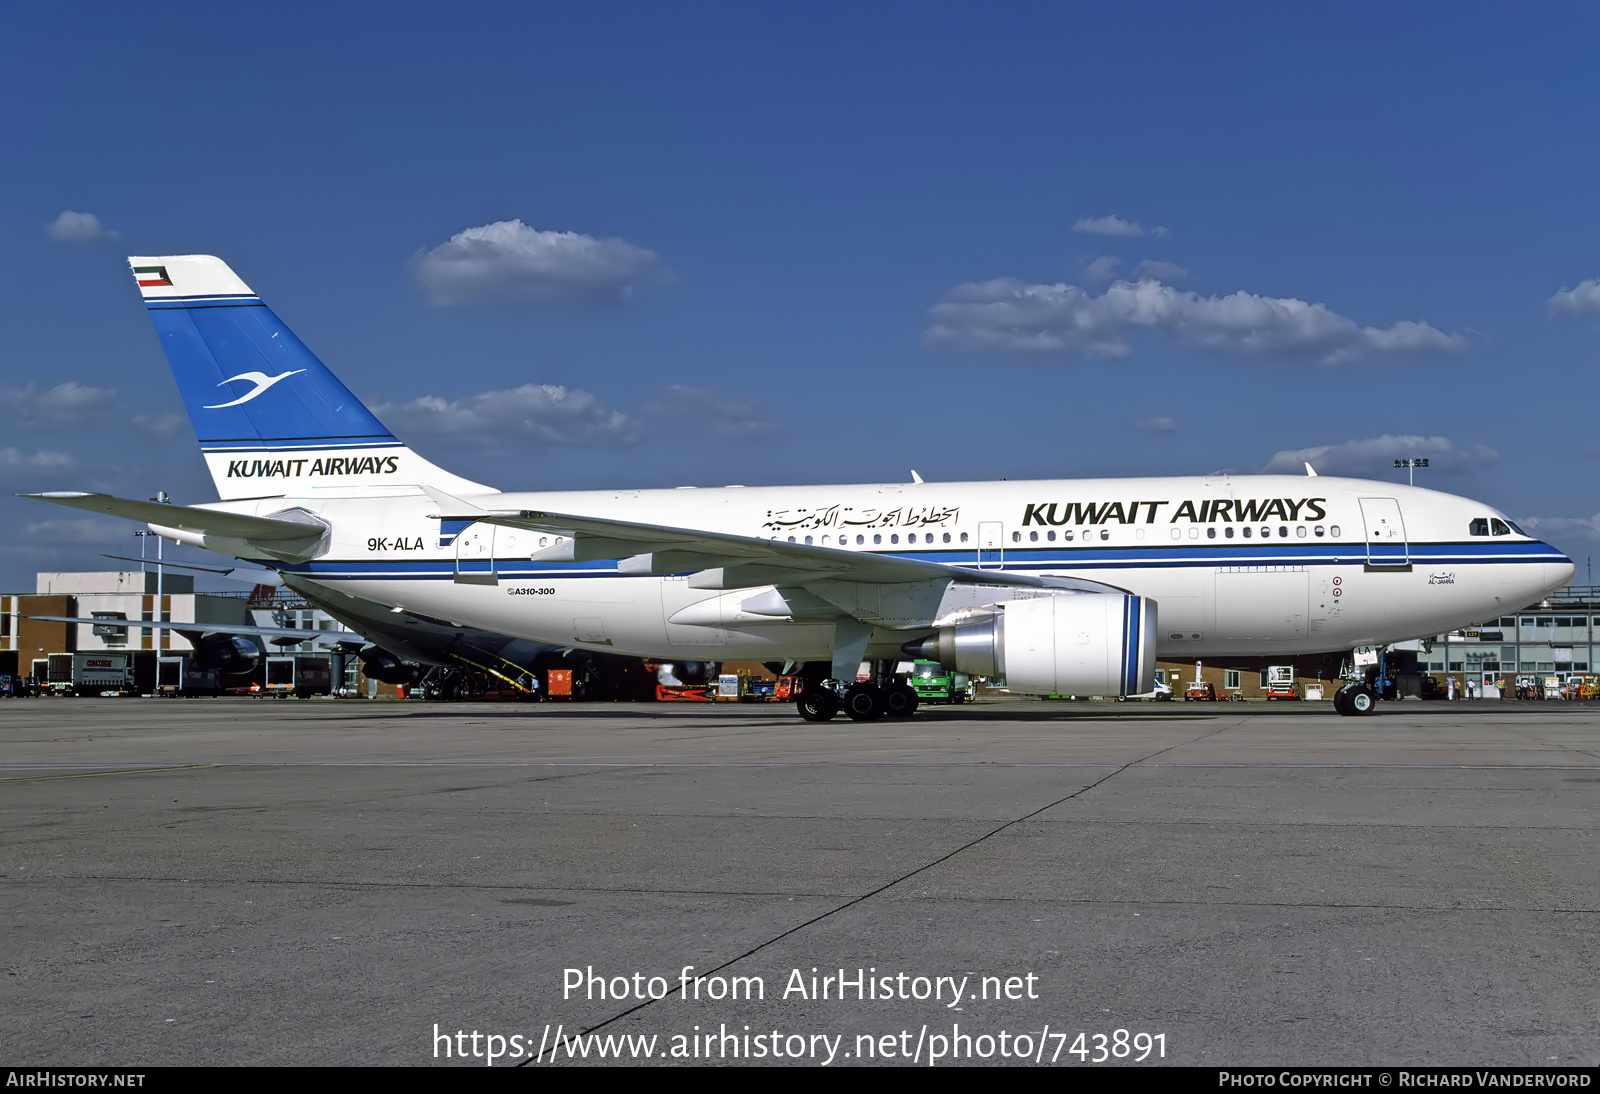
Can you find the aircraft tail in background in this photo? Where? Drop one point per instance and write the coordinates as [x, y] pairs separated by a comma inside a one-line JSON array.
[[272, 420]]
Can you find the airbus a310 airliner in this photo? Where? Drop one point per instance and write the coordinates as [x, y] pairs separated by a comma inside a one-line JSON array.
[[1068, 586]]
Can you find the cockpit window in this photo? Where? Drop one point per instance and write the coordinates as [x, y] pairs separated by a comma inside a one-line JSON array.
[[1498, 527], [1479, 526], [1517, 530]]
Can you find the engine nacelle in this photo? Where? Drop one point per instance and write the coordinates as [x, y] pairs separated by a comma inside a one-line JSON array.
[[232, 654], [381, 665], [1072, 644]]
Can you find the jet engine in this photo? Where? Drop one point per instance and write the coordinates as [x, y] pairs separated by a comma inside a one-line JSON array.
[[1070, 644], [227, 653], [381, 665]]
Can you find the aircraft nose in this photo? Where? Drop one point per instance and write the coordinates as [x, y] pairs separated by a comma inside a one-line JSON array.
[[1557, 574]]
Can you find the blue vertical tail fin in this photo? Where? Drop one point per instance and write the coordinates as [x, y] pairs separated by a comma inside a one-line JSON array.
[[271, 418]]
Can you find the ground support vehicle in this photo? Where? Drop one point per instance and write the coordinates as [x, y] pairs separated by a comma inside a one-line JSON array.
[[1201, 691], [100, 673], [1281, 683], [935, 684]]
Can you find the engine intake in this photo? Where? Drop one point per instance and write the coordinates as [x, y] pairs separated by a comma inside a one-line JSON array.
[[231, 654], [1073, 644]]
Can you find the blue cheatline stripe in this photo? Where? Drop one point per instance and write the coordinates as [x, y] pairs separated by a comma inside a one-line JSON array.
[[1532, 553], [1260, 554]]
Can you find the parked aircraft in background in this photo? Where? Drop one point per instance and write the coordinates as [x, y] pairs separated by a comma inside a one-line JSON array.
[[1059, 586]]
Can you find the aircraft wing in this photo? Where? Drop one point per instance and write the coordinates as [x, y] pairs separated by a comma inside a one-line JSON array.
[[305, 634], [745, 560], [208, 522]]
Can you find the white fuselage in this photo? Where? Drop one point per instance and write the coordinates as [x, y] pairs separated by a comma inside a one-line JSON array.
[[1237, 565]]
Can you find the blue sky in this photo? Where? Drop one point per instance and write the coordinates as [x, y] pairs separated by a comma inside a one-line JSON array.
[[657, 245]]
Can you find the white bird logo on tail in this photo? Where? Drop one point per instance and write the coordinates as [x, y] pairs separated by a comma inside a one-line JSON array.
[[260, 379]]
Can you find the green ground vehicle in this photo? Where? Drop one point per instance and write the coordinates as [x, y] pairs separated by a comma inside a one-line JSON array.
[[933, 683]]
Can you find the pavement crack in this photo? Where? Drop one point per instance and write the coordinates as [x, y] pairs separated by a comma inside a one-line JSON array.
[[946, 857]]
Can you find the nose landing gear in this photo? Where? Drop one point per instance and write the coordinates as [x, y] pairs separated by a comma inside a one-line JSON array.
[[1359, 696], [1355, 700]]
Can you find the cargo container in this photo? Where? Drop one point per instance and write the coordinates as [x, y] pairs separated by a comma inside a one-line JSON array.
[[183, 676], [302, 675]]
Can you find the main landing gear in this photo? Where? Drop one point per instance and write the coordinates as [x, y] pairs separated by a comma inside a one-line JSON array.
[[862, 701]]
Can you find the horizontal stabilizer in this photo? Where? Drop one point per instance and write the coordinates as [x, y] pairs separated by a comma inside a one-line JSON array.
[[205, 522]]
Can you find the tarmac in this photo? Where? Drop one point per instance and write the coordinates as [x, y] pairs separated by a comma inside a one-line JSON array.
[[238, 881]]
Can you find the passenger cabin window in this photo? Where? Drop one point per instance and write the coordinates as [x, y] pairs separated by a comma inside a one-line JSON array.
[[1479, 526]]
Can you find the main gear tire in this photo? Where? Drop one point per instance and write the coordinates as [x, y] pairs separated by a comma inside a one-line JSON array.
[[863, 703], [900, 701], [817, 705]]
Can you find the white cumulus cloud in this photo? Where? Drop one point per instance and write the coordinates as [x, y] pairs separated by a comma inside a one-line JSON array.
[[1113, 226], [1376, 455], [14, 461], [1159, 425], [1103, 268], [546, 412], [79, 530], [1567, 533], [1155, 270], [71, 227], [1010, 315], [1582, 300], [721, 413], [510, 264], [64, 404], [162, 425]]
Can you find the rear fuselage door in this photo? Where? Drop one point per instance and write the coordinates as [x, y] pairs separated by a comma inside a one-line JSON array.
[[1386, 532], [475, 556]]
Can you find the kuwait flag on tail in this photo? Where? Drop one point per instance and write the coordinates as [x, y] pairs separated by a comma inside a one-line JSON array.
[[149, 276]]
